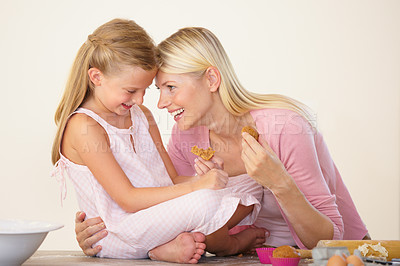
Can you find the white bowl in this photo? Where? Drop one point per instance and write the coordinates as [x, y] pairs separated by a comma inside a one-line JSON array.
[[19, 239]]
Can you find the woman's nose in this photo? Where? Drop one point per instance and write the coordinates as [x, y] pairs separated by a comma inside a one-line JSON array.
[[164, 100]]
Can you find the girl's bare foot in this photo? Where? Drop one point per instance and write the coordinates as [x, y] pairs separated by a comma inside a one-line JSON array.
[[185, 248]]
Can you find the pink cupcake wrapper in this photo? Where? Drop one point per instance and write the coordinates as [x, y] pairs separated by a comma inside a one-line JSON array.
[[284, 261], [264, 254]]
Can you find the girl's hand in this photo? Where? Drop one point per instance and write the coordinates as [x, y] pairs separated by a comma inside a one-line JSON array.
[[202, 166], [213, 179], [88, 233], [262, 164]]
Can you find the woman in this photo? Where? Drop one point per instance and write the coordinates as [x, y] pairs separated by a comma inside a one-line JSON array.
[[305, 199]]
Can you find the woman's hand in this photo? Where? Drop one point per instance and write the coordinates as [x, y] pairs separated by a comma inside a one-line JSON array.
[[203, 166], [213, 179], [262, 164], [88, 233]]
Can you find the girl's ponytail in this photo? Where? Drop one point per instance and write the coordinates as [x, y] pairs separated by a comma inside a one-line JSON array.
[[75, 92], [115, 43]]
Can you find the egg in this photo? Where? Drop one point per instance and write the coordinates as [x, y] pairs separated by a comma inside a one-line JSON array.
[[355, 260], [336, 260]]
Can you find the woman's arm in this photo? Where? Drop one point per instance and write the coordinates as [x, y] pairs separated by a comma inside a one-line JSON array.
[[94, 151], [89, 232], [309, 222]]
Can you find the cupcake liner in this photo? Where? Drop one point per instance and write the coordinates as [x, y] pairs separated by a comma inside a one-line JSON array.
[[264, 254], [284, 261]]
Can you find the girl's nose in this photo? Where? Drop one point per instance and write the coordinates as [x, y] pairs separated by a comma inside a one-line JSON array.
[[139, 100]]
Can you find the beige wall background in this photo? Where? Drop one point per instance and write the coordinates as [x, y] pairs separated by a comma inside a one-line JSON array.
[[340, 57]]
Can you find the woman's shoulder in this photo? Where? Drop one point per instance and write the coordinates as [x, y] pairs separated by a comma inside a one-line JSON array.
[[273, 113], [277, 115], [280, 121]]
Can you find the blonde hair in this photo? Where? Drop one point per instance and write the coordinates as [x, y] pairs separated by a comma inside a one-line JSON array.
[[113, 44], [193, 49]]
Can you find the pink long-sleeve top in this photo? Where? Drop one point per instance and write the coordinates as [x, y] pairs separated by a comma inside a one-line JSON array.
[[305, 155]]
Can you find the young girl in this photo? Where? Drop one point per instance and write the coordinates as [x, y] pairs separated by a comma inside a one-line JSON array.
[[111, 149]]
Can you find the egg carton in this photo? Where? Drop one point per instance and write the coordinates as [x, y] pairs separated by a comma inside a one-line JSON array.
[[380, 262], [321, 256]]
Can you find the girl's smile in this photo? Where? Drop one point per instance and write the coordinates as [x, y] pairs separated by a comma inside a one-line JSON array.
[[126, 106], [117, 93]]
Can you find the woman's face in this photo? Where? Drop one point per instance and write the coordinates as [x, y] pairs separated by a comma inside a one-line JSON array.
[[186, 97]]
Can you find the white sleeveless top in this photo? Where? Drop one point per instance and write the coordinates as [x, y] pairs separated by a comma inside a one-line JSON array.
[[144, 168]]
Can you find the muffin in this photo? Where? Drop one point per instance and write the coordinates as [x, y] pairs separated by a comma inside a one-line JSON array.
[[252, 131], [285, 256], [205, 154], [285, 252]]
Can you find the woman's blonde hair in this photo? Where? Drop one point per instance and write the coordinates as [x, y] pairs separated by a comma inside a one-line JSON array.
[[193, 49], [114, 44]]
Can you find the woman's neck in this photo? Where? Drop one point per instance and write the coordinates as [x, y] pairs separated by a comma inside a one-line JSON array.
[[224, 124]]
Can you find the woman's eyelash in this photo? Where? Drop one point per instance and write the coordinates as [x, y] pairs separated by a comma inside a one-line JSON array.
[[168, 86]]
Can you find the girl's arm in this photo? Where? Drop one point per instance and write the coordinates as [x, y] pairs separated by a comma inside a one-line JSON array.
[[312, 220], [155, 134], [93, 150], [183, 179]]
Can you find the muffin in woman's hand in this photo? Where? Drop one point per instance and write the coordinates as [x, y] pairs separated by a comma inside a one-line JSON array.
[[252, 131], [285, 256]]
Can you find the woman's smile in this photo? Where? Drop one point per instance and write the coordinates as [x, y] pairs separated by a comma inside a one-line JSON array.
[[177, 114]]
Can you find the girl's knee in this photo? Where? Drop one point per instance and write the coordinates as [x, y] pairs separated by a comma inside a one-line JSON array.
[[208, 197], [204, 203]]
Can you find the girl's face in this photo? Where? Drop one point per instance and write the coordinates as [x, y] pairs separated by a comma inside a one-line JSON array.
[[187, 98], [117, 93]]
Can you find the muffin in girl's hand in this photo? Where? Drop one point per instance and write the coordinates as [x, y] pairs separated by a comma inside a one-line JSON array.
[[285, 256], [205, 154]]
